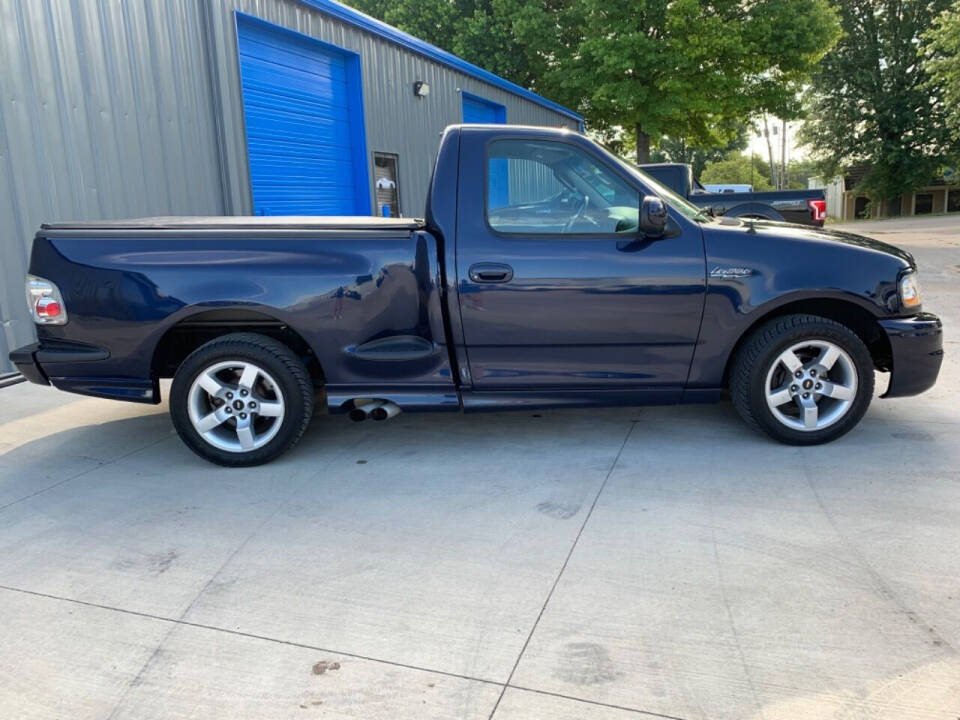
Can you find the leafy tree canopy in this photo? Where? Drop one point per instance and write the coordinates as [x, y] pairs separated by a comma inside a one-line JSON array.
[[941, 58], [684, 68], [670, 149], [511, 38], [680, 68], [738, 169], [873, 103], [799, 171]]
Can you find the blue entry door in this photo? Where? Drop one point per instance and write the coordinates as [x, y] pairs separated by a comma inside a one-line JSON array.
[[302, 102], [479, 110]]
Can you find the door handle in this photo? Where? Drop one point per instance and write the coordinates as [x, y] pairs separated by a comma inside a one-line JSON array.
[[491, 273]]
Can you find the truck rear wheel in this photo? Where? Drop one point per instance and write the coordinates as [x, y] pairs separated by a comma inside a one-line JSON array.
[[241, 399], [802, 379]]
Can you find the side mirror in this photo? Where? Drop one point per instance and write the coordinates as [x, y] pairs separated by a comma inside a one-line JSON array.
[[653, 216]]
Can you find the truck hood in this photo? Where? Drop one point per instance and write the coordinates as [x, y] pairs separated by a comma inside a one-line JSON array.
[[793, 231]]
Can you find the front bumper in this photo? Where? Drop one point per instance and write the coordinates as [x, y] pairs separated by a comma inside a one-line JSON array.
[[917, 347]]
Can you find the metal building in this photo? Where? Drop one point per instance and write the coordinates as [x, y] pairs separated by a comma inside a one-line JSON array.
[[178, 107]]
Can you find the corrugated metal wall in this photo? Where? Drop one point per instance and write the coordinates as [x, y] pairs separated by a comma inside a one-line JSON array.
[[106, 112], [121, 109]]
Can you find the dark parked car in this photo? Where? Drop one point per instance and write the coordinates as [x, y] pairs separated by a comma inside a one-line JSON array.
[[805, 207], [547, 273]]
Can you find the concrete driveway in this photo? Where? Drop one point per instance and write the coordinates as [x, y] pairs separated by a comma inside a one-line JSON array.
[[602, 565]]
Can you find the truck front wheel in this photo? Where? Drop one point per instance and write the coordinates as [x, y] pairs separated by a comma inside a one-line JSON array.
[[241, 399], [802, 379]]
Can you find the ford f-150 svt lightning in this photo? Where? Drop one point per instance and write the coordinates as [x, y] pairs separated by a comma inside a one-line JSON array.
[[546, 273]]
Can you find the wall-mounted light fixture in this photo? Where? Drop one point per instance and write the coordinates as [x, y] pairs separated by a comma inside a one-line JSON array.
[[421, 89]]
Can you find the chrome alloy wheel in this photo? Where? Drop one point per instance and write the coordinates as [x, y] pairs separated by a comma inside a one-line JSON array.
[[236, 406], [811, 385]]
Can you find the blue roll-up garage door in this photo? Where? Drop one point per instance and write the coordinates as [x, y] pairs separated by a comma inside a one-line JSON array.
[[304, 120]]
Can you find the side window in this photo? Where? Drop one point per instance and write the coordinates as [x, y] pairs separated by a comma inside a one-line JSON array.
[[550, 188]]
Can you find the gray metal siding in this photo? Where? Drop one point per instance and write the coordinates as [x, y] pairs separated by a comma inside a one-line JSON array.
[[111, 110], [105, 112]]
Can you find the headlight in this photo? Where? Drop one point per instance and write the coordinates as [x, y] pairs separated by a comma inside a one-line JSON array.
[[910, 290]]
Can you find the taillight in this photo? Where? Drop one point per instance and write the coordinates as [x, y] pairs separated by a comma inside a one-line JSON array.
[[818, 208], [45, 302]]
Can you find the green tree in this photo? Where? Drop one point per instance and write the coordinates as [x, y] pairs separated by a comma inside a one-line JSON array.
[[515, 39], [737, 168], [799, 171], [871, 102], [941, 59], [686, 67], [678, 68], [670, 149]]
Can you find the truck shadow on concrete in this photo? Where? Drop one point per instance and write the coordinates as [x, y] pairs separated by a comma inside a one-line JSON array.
[[146, 444]]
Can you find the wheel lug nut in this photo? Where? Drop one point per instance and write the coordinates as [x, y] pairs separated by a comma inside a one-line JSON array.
[[818, 386], [806, 395], [229, 410], [243, 416], [798, 374], [229, 396], [243, 393], [252, 404], [813, 372]]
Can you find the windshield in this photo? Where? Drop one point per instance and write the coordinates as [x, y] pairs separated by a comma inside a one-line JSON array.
[[677, 202]]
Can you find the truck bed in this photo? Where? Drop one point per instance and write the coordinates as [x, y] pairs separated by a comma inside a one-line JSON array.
[[361, 295]]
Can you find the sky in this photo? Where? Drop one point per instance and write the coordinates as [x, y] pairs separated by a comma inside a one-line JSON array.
[[759, 145]]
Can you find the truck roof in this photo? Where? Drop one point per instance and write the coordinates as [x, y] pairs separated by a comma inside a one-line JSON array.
[[243, 222]]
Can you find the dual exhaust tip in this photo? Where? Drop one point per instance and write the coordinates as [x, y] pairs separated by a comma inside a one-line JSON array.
[[374, 409]]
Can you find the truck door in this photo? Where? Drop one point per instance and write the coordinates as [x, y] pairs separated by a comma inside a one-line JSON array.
[[557, 286]]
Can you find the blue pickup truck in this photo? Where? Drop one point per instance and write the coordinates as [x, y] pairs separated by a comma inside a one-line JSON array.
[[804, 207], [546, 273]]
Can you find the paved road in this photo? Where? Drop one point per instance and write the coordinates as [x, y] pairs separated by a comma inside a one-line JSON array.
[[601, 565]]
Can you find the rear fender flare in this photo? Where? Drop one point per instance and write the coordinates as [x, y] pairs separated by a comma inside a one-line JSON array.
[[224, 319]]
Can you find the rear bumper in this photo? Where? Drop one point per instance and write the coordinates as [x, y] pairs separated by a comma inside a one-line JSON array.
[[26, 362], [73, 367], [917, 346]]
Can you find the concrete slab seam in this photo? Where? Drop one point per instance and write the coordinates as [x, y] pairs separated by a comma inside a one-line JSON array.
[[573, 546], [80, 474]]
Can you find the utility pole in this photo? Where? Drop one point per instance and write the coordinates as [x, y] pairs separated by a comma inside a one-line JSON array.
[[783, 157], [770, 159]]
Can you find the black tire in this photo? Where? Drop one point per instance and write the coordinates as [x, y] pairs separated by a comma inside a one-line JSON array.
[[755, 357], [284, 368]]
